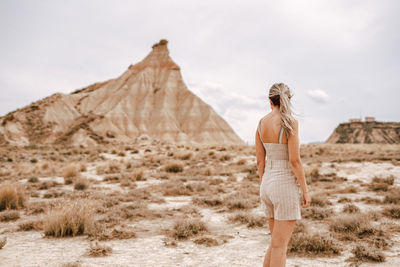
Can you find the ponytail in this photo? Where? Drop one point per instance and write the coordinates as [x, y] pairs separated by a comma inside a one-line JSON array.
[[280, 95]]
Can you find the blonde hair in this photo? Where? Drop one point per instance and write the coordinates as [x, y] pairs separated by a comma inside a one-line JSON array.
[[280, 95]]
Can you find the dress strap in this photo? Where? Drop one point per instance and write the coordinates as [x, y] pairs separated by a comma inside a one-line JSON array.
[[259, 131], [280, 135]]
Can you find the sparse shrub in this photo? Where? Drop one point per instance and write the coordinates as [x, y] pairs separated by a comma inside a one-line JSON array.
[[3, 242], [237, 201], [206, 241], [392, 197], [174, 167], [225, 157], [362, 253], [121, 154], [185, 156], [241, 162], [70, 172], [81, 183], [392, 212], [185, 228], [69, 219], [9, 215], [30, 225], [208, 171], [380, 186], [351, 208], [388, 180], [211, 201], [45, 166], [250, 219], [34, 160], [138, 176], [319, 202], [313, 245], [349, 189], [33, 179], [11, 197], [317, 213], [98, 250], [175, 188]]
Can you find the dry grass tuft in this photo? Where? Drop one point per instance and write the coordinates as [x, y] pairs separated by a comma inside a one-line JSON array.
[[11, 197], [81, 183], [185, 228], [315, 244], [250, 219], [98, 250], [69, 219], [3, 242], [31, 225], [365, 254], [9, 215], [350, 208], [174, 167], [392, 212], [70, 172], [138, 175], [206, 241]]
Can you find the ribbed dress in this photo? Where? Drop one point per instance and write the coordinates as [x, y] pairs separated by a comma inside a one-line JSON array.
[[280, 193]]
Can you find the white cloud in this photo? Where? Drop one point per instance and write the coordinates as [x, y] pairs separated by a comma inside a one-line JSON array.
[[318, 96]]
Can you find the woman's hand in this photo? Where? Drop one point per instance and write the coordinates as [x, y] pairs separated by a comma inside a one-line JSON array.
[[306, 200]]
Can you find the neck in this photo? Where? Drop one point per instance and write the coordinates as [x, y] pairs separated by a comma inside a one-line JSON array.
[[275, 109]]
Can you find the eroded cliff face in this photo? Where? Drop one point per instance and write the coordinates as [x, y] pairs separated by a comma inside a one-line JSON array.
[[149, 98], [366, 133]]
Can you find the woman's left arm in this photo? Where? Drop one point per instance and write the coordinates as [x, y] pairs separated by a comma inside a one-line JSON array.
[[260, 155]]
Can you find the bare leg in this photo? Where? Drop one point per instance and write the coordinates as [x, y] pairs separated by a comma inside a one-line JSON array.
[[281, 235], [267, 257]]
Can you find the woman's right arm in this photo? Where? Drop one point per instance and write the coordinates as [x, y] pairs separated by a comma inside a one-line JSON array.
[[294, 158]]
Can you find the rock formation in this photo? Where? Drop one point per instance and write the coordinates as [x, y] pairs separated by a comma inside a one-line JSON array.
[[149, 98], [368, 132]]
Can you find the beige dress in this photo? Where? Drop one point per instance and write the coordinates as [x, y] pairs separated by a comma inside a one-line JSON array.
[[280, 193]]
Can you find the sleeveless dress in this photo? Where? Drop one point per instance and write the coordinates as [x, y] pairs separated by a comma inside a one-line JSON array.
[[280, 192]]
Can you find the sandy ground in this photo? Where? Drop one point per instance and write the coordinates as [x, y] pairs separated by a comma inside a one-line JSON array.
[[243, 247]]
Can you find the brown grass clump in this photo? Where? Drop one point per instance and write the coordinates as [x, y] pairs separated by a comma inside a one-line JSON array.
[[319, 202], [174, 167], [316, 213], [9, 215], [81, 183], [11, 197], [250, 219], [3, 242], [392, 197], [392, 212], [206, 241], [379, 186], [388, 180], [31, 225], [351, 208], [175, 188], [185, 228], [211, 201], [70, 172], [138, 176], [365, 254], [98, 250], [69, 219], [237, 202], [315, 244]]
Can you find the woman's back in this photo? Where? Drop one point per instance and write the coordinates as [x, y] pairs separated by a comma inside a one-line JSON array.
[[270, 128]]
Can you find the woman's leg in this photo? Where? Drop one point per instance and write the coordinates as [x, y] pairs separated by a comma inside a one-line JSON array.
[[281, 235], [267, 257]]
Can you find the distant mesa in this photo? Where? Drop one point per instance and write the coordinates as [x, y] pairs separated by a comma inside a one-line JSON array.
[[148, 99], [368, 131]]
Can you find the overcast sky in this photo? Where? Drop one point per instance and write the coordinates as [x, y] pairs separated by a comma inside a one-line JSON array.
[[340, 58]]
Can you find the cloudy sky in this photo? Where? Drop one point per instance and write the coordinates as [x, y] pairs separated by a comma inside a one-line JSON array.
[[340, 58]]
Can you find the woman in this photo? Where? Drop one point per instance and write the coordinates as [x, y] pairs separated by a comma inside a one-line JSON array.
[[283, 188]]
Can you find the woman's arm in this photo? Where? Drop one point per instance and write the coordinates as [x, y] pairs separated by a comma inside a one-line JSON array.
[[294, 157], [260, 155]]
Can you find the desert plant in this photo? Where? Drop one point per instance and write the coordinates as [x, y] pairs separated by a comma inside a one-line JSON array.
[[70, 172], [9, 215], [81, 183], [313, 245], [362, 253], [98, 250], [3, 242], [248, 218], [69, 219], [11, 197], [185, 228], [174, 167]]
